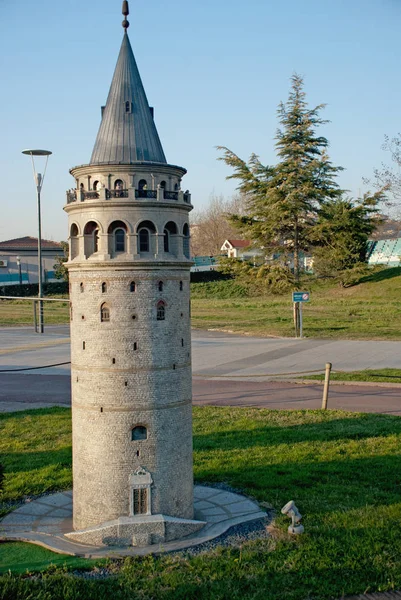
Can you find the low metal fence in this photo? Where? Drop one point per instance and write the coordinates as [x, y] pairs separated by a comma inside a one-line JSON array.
[[16, 311]]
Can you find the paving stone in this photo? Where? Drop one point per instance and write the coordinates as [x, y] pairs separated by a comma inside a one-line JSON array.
[[201, 492], [58, 500], [202, 504], [19, 519], [34, 509], [61, 512], [241, 507], [214, 510], [48, 521], [227, 498], [217, 518]]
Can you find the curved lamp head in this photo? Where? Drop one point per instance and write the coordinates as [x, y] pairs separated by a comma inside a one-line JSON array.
[[37, 152]]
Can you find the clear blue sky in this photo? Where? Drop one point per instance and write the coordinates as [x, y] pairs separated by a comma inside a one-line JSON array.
[[215, 72]]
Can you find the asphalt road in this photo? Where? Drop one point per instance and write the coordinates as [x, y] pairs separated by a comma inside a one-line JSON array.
[[228, 370]]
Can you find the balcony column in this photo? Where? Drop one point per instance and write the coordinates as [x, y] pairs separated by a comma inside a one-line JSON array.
[[132, 244], [180, 246], [160, 193], [102, 252], [159, 238], [81, 246]]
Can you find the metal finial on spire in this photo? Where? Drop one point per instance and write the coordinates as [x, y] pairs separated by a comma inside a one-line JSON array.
[[125, 13]]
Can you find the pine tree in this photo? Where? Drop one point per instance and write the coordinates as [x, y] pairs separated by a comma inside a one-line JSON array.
[[342, 232], [283, 201]]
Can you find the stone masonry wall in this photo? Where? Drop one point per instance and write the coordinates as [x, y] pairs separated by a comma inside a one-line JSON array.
[[131, 370]]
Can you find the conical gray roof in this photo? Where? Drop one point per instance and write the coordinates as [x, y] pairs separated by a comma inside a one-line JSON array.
[[127, 133]]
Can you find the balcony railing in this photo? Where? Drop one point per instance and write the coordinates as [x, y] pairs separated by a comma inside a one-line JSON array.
[[170, 195], [74, 195], [93, 195], [71, 196], [145, 194], [116, 194]]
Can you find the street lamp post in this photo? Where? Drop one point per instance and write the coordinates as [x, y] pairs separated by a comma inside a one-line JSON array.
[[39, 179], [19, 270]]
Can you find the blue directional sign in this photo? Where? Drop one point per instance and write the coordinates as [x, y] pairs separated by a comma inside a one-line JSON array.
[[300, 296]]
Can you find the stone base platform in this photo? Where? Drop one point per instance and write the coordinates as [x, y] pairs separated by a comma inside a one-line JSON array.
[[47, 522], [143, 530]]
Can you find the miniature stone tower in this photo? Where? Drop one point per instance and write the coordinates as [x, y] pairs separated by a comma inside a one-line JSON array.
[[129, 268]]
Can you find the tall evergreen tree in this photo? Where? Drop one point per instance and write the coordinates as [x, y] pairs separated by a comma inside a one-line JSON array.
[[283, 201]]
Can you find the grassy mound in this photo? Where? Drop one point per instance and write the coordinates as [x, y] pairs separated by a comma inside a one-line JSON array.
[[369, 310]]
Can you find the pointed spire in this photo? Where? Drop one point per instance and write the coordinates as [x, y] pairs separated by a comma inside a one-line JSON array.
[[127, 133]]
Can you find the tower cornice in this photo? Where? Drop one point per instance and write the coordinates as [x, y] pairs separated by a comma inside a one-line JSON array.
[[145, 167]]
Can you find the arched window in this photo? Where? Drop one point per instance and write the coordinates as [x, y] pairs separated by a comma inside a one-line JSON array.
[[181, 286], [74, 242], [119, 240], [81, 287], [119, 188], [144, 245], [96, 185], [104, 313], [117, 235], [161, 311], [163, 185], [176, 187], [142, 185], [91, 235], [144, 231], [185, 241], [104, 287], [132, 286], [170, 231], [166, 241], [139, 433], [160, 286]]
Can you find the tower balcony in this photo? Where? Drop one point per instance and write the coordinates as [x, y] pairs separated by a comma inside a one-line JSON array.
[[160, 194]]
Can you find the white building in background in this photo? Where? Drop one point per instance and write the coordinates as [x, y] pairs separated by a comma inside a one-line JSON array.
[[240, 249], [19, 260], [129, 268]]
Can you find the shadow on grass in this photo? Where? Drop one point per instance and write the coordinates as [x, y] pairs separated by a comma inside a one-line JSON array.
[[17, 462], [35, 412], [364, 427], [319, 488], [381, 275]]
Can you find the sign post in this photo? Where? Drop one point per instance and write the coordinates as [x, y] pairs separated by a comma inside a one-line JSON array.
[[298, 299]]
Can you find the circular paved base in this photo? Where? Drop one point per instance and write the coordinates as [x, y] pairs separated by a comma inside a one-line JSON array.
[[46, 521]]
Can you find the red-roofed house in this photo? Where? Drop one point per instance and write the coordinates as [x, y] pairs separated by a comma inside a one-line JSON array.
[[24, 250], [240, 249]]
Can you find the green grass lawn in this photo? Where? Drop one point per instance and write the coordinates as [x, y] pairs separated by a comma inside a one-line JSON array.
[[369, 310], [342, 469], [373, 375], [22, 558], [20, 312]]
